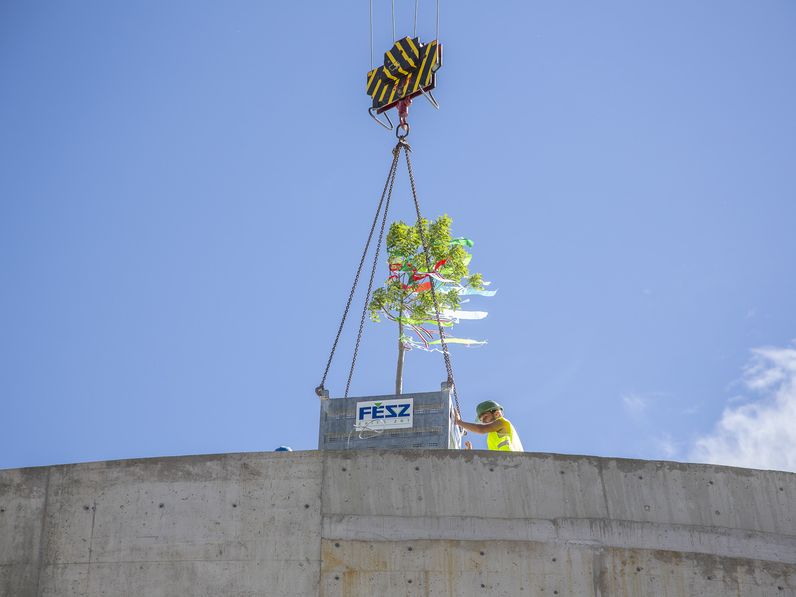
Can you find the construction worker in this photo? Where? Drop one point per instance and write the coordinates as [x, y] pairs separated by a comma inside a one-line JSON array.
[[501, 434]]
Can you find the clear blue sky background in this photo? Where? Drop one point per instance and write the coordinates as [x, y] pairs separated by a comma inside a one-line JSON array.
[[185, 189]]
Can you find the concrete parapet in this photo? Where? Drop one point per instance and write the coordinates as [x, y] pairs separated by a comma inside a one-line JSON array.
[[452, 523]]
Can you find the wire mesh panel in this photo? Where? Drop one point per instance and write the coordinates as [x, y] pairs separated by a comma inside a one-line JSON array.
[[408, 421]]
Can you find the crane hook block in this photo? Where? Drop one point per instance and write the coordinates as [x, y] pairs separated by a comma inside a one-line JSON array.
[[409, 69]]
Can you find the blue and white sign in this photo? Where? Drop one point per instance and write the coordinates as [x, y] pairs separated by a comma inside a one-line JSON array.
[[384, 414]]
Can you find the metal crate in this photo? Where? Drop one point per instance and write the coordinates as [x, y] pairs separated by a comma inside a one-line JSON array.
[[344, 426]]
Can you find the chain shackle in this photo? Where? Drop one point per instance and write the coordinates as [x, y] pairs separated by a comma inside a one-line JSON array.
[[402, 126]]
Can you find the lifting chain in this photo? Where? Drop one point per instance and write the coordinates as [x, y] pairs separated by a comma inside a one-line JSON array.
[[445, 354], [387, 187], [390, 181], [386, 196]]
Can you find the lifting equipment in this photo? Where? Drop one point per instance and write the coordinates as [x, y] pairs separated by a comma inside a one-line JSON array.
[[408, 71]]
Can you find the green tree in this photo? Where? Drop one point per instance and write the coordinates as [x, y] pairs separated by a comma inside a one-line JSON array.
[[406, 298]]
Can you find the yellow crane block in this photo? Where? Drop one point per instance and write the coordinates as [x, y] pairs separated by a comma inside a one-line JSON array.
[[409, 69]]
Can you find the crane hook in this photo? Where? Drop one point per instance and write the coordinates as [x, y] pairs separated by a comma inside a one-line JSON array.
[[403, 114]]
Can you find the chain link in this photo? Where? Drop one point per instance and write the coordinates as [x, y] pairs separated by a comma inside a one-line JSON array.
[[391, 181], [387, 185]]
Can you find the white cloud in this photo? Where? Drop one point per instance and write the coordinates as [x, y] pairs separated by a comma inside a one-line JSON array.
[[691, 410], [762, 433], [667, 446], [635, 404], [639, 404]]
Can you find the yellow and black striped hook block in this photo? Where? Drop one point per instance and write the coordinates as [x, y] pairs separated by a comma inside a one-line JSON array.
[[409, 69]]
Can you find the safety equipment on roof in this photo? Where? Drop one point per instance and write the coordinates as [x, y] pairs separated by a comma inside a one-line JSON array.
[[486, 406]]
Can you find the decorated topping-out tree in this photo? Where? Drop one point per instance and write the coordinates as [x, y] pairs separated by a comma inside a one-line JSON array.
[[405, 297]]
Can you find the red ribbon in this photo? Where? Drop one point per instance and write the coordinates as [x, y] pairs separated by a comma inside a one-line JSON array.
[[395, 267]]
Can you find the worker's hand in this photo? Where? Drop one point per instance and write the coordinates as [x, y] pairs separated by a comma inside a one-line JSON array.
[[468, 446], [457, 419]]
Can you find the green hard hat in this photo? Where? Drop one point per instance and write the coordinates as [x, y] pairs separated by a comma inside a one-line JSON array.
[[486, 406]]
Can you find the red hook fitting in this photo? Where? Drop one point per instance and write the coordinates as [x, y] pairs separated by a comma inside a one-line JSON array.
[[403, 114]]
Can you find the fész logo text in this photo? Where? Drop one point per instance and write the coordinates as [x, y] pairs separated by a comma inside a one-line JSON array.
[[385, 413]]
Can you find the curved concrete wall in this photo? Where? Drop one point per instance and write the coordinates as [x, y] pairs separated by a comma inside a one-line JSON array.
[[451, 523]]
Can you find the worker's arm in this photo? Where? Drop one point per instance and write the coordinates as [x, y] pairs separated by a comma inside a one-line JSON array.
[[495, 425]]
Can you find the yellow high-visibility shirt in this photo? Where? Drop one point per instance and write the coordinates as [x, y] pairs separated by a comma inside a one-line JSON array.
[[505, 439]]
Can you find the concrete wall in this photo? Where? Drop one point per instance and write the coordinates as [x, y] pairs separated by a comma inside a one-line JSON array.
[[449, 523]]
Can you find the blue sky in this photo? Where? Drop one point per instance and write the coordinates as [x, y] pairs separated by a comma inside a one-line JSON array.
[[186, 187]]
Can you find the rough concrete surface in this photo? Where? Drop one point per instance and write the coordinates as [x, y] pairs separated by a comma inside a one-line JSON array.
[[403, 523]]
